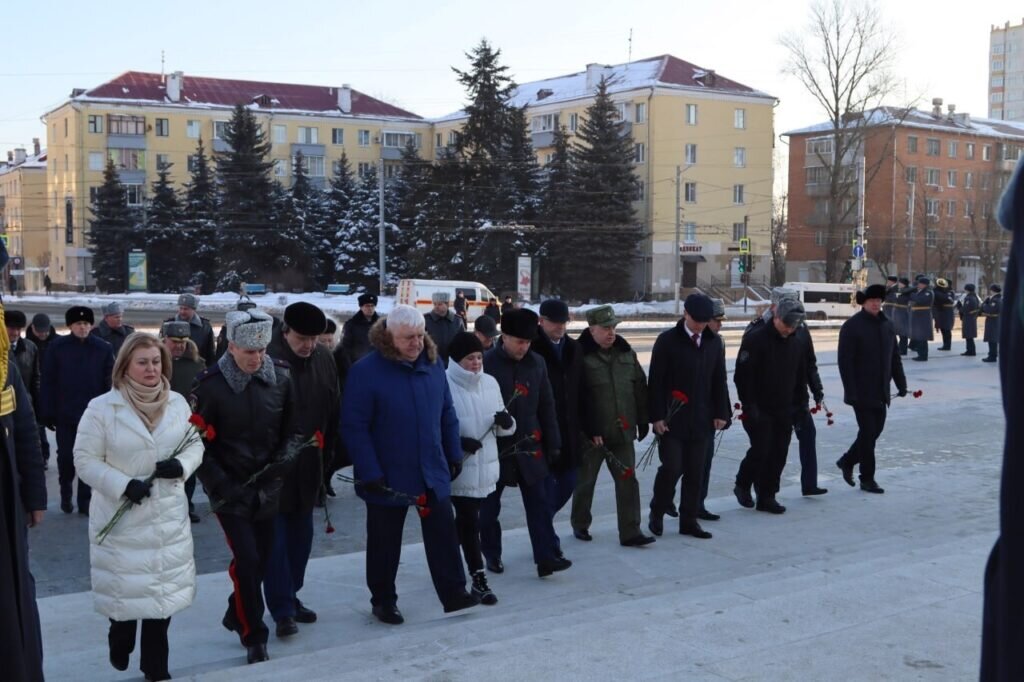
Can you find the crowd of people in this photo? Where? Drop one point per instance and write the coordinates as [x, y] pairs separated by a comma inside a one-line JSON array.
[[431, 417]]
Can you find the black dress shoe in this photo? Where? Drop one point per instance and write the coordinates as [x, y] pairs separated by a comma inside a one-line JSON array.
[[461, 601], [637, 541], [304, 614], [158, 677], [847, 470], [286, 627], [329, 489], [655, 522], [257, 653], [546, 568], [919, 359], [495, 566], [871, 487], [816, 491], [968, 354], [388, 613], [66, 507], [943, 348], [83, 511], [743, 496], [193, 517], [672, 511], [705, 515], [770, 505], [582, 534], [695, 530], [990, 359]]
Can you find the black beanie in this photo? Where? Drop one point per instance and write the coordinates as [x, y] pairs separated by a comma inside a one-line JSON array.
[[78, 313], [520, 323], [15, 319], [305, 318], [463, 344]]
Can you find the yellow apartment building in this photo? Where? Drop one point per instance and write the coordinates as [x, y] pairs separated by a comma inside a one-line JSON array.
[[23, 215], [717, 132], [145, 120]]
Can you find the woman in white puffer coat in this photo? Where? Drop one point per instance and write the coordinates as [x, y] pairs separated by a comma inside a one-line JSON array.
[[482, 418], [144, 568]]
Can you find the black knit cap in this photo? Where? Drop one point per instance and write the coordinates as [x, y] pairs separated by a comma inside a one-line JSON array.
[[520, 323], [15, 319], [463, 344], [78, 313], [305, 318]]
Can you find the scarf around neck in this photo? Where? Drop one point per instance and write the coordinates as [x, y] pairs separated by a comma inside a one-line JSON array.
[[149, 402]]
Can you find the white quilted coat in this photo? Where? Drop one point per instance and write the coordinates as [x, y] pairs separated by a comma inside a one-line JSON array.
[[477, 397], [145, 567]]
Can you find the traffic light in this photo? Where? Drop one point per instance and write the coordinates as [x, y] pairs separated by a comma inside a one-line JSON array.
[[743, 264], [750, 263]]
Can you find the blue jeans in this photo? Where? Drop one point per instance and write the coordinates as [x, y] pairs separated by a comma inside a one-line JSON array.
[[807, 435], [286, 566]]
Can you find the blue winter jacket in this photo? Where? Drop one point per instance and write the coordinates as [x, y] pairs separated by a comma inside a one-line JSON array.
[[399, 422], [74, 372]]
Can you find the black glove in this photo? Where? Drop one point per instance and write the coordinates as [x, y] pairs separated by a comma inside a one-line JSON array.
[[455, 468], [169, 468], [470, 445], [375, 487], [553, 456], [136, 490], [902, 393], [819, 398], [503, 419], [642, 430]]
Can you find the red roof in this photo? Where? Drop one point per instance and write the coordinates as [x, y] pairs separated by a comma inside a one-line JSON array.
[[680, 72], [137, 85]]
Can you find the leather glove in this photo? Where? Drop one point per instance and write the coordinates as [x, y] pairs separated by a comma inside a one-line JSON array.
[[470, 445], [819, 398], [902, 393], [642, 430], [455, 468], [136, 490], [553, 456], [503, 419], [169, 468], [375, 487]]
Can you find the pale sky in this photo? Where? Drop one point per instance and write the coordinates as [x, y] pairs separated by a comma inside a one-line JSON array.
[[402, 50]]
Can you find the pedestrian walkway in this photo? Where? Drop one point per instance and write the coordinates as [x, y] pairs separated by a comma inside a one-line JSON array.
[[848, 586]]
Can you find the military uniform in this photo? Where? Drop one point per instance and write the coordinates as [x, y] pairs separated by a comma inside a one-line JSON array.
[[921, 329], [943, 310], [901, 314], [990, 311], [969, 309]]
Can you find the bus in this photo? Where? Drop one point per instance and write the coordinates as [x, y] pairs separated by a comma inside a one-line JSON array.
[[823, 300]]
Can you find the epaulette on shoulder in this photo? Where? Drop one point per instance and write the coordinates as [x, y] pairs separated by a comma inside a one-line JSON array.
[[281, 363], [213, 370]]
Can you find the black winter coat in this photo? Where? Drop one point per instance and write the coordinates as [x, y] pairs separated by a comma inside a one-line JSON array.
[[26, 354], [442, 330], [253, 430], [769, 371], [813, 377], [921, 326], [990, 311], [202, 335], [340, 458], [355, 336], [74, 372], [316, 400], [969, 309], [944, 308], [566, 377], [678, 365], [41, 344], [869, 360], [115, 337], [532, 412]]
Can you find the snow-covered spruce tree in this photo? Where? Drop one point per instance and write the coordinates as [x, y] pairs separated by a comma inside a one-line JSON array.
[[358, 234], [250, 244], [297, 224], [489, 88], [168, 251], [111, 233], [445, 234], [557, 211], [200, 223], [339, 198]]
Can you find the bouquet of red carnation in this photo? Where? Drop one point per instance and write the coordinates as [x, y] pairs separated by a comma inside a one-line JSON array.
[[534, 436], [679, 399], [198, 430], [418, 501], [627, 472], [828, 413]]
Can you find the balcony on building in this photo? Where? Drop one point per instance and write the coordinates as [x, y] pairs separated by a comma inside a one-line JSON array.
[[1007, 165], [126, 132], [393, 143]]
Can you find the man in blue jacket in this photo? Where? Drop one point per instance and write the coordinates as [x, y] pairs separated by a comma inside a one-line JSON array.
[[76, 369], [402, 434]]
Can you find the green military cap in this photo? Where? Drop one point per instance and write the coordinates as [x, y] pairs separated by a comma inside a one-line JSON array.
[[602, 316]]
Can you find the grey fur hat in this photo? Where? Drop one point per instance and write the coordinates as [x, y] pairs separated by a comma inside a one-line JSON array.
[[440, 297], [249, 329], [113, 308], [780, 293], [189, 301]]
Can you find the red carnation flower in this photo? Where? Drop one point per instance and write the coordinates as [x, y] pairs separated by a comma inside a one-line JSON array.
[[319, 438], [742, 417], [623, 422], [424, 512], [627, 473], [536, 435], [522, 389], [330, 529], [211, 432], [421, 500], [538, 454], [918, 394], [737, 406], [197, 421], [680, 396], [829, 415], [814, 410], [830, 422]]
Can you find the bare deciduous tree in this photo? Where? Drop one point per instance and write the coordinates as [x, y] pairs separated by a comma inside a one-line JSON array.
[[779, 234]]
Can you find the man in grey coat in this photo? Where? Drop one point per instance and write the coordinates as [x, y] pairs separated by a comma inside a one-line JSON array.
[[921, 329], [442, 324]]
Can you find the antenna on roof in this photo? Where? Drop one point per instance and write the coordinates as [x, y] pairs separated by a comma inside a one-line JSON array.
[[161, 66], [629, 53]]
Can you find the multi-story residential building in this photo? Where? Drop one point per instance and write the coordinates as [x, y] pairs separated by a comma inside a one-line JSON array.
[[718, 132], [932, 180], [23, 214], [1006, 72], [145, 120]]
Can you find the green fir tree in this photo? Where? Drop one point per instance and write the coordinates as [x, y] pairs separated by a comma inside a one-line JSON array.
[[111, 233]]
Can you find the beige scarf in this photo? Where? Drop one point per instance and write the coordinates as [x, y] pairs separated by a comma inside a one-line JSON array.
[[148, 402]]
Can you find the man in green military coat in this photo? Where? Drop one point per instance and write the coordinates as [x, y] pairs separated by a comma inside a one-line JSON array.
[[613, 408]]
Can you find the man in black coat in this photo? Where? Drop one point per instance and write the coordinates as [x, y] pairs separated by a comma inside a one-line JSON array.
[[316, 404], [564, 362], [869, 361], [968, 309], [990, 309], [770, 367], [26, 353], [41, 332], [185, 368], [901, 314], [22, 506], [112, 328], [922, 302], [355, 333], [687, 380], [944, 305], [247, 398], [524, 461], [201, 331], [442, 324]]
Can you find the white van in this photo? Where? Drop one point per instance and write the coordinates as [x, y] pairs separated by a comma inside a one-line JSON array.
[[823, 300], [418, 292]]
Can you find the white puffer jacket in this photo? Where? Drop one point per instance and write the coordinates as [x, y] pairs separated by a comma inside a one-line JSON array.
[[145, 567], [477, 397]]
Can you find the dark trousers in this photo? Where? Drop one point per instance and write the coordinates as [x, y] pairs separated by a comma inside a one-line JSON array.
[[807, 436], [679, 459], [904, 343], [467, 525], [286, 568], [947, 338], [559, 490], [770, 436], [993, 349], [251, 543], [706, 479], [190, 490], [44, 444], [921, 347], [66, 467], [384, 526], [971, 348], [538, 523], [121, 639], [870, 422]]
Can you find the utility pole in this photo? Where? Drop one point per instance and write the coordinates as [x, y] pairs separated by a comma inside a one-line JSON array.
[[910, 232], [675, 251], [380, 224], [746, 222]]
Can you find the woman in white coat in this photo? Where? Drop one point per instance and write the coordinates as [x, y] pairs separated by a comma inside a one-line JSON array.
[[482, 418], [144, 569]]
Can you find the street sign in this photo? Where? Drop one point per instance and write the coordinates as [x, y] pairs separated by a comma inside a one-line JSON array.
[[745, 245], [858, 251]]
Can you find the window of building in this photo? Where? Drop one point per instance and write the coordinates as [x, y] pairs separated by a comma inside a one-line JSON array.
[[133, 195], [623, 110], [951, 239], [391, 170], [690, 192], [191, 163], [162, 161], [951, 208], [690, 233], [65, 127], [691, 114], [453, 137], [997, 81], [739, 118], [69, 222], [128, 159], [931, 207], [739, 157], [986, 209], [691, 154], [364, 168], [193, 129], [910, 173], [364, 138], [997, 48], [986, 181], [997, 64], [952, 148], [338, 136], [819, 147], [931, 239], [641, 188], [816, 175], [95, 124], [739, 231], [93, 193], [280, 168], [220, 130], [126, 125], [96, 161], [641, 113], [308, 135], [931, 176], [401, 140], [163, 127], [279, 133], [934, 147], [437, 140], [639, 152], [969, 150], [986, 152], [544, 123], [819, 237], [911, 144], [313, 165], [951, 178], [574, 121], [968, 209], [737, 194], [968, 180]]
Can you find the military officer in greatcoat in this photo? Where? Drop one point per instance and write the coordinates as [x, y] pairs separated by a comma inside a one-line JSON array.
[[969, 308], [990, 311], [944, 309], [921, 303], [892, 292], [901, 314]]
